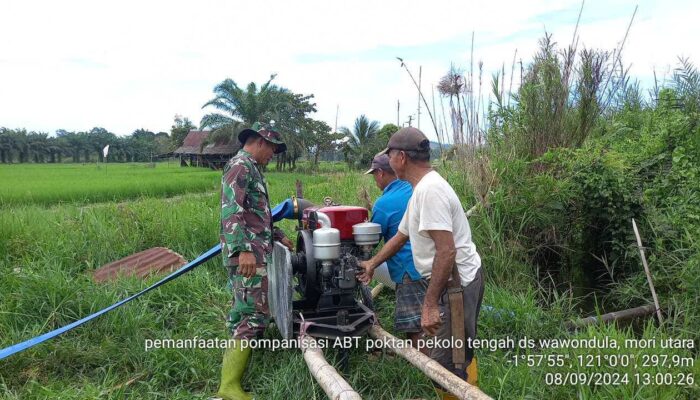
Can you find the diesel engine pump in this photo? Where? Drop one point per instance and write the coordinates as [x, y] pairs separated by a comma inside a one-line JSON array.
[[317, 286]]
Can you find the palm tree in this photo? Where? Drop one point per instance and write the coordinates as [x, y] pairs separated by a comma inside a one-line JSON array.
[[269, 103], [55, 149], [75, 142], [241, 107], [6, 145], [362, 142], [21, 144], [37, 143]]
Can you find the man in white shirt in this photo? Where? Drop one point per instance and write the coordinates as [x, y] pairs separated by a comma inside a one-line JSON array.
[[442, 248]]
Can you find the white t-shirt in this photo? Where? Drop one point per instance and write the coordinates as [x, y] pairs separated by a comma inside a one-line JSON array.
[[435, 206]]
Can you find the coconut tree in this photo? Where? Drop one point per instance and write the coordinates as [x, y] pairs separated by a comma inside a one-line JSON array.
[[362, 142]]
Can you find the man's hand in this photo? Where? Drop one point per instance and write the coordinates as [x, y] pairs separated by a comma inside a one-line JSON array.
[[390, 248], [430, 319], [443, 263], [367, 272], [246, 264], [287, 243]]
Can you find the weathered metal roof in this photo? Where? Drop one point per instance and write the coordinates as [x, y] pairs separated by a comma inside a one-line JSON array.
[[193, 145], [219, 148], [141, 264]]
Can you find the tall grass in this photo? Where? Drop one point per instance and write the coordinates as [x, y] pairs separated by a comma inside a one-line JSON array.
[[49, 252]]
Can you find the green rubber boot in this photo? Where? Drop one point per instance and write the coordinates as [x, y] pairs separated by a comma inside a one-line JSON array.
[[232, 369]]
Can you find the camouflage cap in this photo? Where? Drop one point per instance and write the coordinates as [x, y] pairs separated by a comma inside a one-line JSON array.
[[267, 133], [380, 161], [407, 139]]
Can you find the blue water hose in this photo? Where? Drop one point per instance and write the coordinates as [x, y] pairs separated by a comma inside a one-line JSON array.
[[206, 256], [284, 210]]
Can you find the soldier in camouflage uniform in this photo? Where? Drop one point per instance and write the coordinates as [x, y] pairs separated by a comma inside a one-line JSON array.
[[247, 238]]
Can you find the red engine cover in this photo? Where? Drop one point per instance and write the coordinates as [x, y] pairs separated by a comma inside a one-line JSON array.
[[342, 218]]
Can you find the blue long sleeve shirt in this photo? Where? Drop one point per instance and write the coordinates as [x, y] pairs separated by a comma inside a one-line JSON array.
[[387, 212]]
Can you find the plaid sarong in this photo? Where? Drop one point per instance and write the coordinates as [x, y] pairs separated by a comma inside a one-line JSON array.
[[409, 301]]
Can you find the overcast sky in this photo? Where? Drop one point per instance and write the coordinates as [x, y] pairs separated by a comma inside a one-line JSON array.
[[124, 65]]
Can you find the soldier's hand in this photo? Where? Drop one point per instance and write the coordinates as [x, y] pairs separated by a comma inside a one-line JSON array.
[[430, 319], [287, 243], [246, 264], [367, 272]]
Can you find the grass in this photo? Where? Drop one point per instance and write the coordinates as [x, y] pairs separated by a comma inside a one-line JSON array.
[[47, 184], [88, 183], [47, 251]]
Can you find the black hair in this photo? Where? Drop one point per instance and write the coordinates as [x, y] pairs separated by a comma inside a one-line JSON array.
[[414, 155], [252, 137]]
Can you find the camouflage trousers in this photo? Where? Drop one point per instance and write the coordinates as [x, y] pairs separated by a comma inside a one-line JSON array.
[[250, 314]]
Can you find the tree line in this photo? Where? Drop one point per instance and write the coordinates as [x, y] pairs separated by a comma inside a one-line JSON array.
[[235, 108], [21, 146]]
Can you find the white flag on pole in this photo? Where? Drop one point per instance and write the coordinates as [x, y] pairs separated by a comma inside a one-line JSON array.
[[105, 151]]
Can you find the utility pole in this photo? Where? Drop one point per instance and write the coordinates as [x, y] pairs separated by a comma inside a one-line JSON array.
[[410, 118], [420, 72]]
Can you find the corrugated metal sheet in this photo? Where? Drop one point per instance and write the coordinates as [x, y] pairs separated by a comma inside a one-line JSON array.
[[141, 264], [193, 145]]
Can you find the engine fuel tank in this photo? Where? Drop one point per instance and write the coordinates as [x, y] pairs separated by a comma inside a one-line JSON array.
[[342, 218]]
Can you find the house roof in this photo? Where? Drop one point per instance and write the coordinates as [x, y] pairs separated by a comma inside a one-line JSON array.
[[221, 148], [192, 143]]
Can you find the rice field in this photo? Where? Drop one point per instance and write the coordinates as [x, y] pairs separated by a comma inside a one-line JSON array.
[[50, 242], [87, 183]]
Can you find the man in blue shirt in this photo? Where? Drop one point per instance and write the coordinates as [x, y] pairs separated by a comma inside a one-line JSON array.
[[387, 211]]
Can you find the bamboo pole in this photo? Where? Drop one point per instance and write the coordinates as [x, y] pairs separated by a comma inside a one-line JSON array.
[[646, 270], [377, 289], [613, 316], [327, 377], [472, 112], [451, 382]]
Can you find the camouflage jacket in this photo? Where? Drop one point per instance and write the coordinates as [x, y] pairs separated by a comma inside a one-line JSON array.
[[246, 221]]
